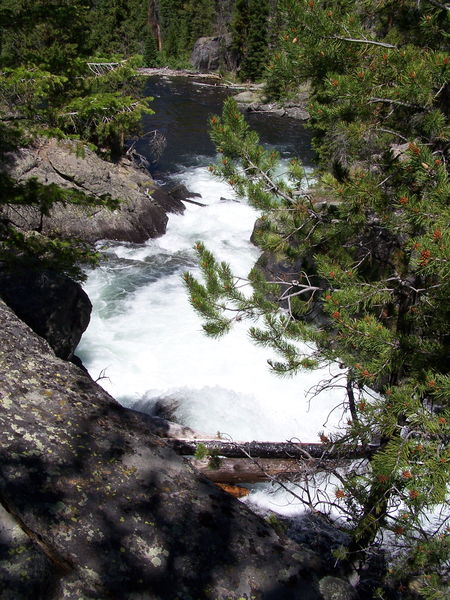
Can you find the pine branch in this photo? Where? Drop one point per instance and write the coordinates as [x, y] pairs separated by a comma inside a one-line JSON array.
[[392, 132], [397, 102]]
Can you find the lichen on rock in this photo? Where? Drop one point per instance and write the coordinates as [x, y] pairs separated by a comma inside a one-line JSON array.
[[143, 208], [109, 509]]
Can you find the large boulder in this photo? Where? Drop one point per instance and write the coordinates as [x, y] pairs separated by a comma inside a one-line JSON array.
[[54, 306], [141, 215], [212, 53], [98, 507]]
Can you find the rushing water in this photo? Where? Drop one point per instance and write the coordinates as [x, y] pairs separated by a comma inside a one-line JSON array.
[[144, 339]]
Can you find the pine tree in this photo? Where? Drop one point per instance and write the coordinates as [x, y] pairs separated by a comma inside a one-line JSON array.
[[118, 27], [250, 36], [200, 17], [374, 239], [49, 87], [150, 50]]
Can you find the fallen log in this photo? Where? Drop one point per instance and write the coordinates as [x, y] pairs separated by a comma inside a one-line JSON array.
[[234, 490], [281, 450], [246, 470], [194, 202]]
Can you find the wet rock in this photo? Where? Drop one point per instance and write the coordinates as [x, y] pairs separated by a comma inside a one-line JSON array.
[[179, 194], [275, 269], [117, 513], [53, 305], [164, 408], [282, 270], [168, 201], [69, 165]]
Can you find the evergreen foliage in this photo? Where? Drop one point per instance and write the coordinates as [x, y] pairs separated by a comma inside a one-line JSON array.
[[250, 36], [182, 23], [118, 26], [374, 237], [150, 50]]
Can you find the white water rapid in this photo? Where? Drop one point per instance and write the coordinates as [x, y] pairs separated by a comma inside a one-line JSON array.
[[146, 339]]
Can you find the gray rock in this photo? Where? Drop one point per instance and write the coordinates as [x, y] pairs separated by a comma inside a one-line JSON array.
[[53, 305], [248, 97], [23, 563], [298, 112], [212, 53], [140, 216], [115, 511], [333, 588]]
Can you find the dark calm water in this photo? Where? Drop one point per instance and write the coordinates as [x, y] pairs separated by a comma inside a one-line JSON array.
[[182, 110]]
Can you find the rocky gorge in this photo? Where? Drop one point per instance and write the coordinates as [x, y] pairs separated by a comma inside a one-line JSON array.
[[94, 504]]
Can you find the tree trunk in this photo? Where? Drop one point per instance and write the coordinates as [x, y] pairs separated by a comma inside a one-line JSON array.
[[273, 450], [246, 470], [154, 23]]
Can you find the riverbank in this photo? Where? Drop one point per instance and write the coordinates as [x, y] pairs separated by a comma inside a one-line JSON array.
[[143, 206]]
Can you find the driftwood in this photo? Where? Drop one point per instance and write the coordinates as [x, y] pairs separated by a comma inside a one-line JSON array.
[[193, 202], [235, 490], [176, 73], [253, 462]]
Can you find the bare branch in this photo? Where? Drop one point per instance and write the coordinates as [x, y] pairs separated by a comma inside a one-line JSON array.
[[397, 102], [362, 41], [439, 4]]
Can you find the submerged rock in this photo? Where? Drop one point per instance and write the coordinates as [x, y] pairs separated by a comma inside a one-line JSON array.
[[106, 510], [141, 215]]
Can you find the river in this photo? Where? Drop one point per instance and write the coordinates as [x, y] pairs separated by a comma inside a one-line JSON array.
[[145, 342]]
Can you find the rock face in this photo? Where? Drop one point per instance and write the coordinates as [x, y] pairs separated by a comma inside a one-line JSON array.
[[212, 53], [142, 214], [98, 507], [53, 305]]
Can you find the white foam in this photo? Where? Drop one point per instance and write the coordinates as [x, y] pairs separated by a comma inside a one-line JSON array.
[[150, 343]]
